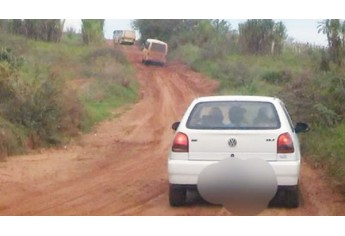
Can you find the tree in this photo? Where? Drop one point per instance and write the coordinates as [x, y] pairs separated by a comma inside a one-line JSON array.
[[163, 29], [181, 31], [261, 36], [221, 26], [14, 26], [279, 36], [92, 31], [335, 32], [49, 30]]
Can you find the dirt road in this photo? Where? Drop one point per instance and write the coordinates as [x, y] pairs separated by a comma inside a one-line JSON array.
[[120, 168]]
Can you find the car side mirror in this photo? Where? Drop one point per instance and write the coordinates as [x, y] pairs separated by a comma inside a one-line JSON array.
[[175, 125], [301, 128]]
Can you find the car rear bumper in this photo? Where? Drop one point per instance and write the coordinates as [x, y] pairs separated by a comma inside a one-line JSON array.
[[128, 40], [186, 172], [156, 60]]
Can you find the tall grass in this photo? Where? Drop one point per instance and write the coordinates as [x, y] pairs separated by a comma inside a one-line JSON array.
[[99, 98], [58, 90], [109, 84], [325, 147]]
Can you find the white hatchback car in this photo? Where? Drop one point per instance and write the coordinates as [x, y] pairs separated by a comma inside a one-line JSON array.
[[218, 127]]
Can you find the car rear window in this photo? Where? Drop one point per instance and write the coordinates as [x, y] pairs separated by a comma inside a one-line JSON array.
[[158, 47], [234, 115], [129, 34]]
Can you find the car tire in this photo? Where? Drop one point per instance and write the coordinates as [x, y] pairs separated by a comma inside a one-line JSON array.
[[287, 196], [292, 197], [177, 195]]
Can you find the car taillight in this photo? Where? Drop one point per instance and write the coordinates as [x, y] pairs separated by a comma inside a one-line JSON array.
[[180, 143], [285, 144]]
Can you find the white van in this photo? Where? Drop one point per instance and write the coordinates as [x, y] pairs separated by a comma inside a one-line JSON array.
[[124, 37], [154, 51]]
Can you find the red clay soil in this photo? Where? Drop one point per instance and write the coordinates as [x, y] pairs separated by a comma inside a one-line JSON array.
[[120, 168]]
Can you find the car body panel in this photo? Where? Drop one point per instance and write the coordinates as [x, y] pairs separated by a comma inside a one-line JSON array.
[[215, 146], [187, 172]]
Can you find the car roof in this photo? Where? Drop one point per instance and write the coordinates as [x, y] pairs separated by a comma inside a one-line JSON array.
[[123, 31], [236, 98], [155, 41]]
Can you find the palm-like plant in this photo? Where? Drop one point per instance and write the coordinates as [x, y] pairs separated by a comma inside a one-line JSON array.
[[335, 32]]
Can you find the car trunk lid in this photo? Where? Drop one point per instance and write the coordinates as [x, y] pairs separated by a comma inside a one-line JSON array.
[[214, 145]]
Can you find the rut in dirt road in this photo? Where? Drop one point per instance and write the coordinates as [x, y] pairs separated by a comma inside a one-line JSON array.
[[121, 167]]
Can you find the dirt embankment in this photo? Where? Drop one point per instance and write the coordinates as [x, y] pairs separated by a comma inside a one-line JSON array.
[[120, 168]]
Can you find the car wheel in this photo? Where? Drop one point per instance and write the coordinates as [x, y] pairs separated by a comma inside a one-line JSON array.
[[286, 197], [177, 195], [292, 197]]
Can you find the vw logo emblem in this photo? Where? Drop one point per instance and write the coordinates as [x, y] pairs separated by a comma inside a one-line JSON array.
[[232, 142]]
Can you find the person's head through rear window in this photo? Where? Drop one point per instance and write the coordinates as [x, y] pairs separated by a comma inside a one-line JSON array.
[[236, 116], [216, 117]]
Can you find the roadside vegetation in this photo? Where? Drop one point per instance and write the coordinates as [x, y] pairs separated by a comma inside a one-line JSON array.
[[260, 59], [54, 87]]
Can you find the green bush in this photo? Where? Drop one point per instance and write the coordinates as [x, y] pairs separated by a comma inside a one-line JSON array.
[[232, 74], [36, 106], [8, 58], [188, 53], [316, 98], [12, 140], [325, 116], [277, 77]]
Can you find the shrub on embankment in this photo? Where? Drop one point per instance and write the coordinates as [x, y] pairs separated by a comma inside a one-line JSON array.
[[50, 92]]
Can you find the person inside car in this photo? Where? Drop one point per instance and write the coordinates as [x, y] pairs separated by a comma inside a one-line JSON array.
[[263, 119], [236, 116], [214, 118]]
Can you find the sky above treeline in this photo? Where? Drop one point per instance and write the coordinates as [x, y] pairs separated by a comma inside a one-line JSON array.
[[300, 30], [300, 17]]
